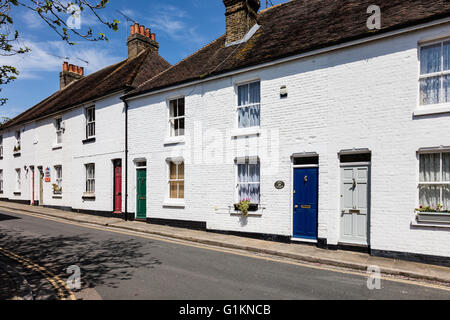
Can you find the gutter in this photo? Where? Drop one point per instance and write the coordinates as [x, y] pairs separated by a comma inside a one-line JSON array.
[[352, 43]]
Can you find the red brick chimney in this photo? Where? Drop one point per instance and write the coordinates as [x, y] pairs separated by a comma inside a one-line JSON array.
[[241, 16], [141, 39], [69, 74]]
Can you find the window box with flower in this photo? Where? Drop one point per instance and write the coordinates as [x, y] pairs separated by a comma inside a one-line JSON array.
[[245, 206], [433, 214]]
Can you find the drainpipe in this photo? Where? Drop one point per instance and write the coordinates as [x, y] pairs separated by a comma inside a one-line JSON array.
[[126, 160]]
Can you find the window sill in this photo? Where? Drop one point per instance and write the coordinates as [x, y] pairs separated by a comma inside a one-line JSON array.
[[174, 203], [88, 196], [17, 193], [433, 218], [175, 140], [57, 197], [89, 140], [16, 154], [57, 146], [255, 131], [432, 109]]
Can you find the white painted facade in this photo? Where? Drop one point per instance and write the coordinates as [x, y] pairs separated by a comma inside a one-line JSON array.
[[363, 96], [39, 148]]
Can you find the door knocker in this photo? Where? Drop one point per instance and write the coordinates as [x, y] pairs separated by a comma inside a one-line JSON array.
[[306, 178]]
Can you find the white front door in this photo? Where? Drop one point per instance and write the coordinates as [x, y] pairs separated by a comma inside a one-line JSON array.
[[355, 188]]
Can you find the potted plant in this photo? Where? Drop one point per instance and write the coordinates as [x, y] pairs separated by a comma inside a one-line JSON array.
[[433, 213], [57, 189], [17, 148], [245, 206]]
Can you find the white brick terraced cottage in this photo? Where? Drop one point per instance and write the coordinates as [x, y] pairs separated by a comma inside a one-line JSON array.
[[335, 137], [332, 129]]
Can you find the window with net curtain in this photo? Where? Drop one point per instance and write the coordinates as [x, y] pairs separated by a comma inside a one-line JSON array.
[[435, 73], [434, 187], [249, 105], [248, 181]]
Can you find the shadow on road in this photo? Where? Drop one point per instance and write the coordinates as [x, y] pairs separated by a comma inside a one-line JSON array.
[[102, 262]]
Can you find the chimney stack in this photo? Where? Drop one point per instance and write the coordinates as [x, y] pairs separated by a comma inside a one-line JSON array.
[[141, 39], [241, 16], [69, 74]]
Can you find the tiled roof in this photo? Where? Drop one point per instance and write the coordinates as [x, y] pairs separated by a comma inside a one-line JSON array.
[[127, 74], [296, 27]]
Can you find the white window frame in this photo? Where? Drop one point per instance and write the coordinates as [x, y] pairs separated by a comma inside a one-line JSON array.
[[441, 74], [90, 122], [248, 162], [1, 146], [441, 184], [238, 107], [58, 178], [18, 180], [177, 163], [59, 131], [1, 181], [171, 130], [90, 178]]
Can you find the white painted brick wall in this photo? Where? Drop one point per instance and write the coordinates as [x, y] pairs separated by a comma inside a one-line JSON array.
[[359, 97], [109, 145]]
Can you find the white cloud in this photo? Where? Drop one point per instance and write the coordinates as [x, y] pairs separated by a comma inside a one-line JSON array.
[[49, 56]]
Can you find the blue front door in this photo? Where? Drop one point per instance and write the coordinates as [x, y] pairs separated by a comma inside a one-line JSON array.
[[305, 203]]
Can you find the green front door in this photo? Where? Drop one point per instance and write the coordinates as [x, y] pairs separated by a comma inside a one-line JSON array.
[[141, 202]]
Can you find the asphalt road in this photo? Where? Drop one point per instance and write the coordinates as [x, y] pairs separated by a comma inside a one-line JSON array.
[[119, 266]]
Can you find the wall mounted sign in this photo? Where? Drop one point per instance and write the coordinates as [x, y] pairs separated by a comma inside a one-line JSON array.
[[280, 185], [47, 175]]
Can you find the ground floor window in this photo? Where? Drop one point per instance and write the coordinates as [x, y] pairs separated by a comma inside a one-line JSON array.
[[57, 187], [176, 180], [90, 178], [434, 185], [248, 180]]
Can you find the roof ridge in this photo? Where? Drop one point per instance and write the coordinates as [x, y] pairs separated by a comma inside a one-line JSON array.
[[179, 62]]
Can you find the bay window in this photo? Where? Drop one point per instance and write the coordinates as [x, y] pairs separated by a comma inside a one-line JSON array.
[[434, 182], [435, 73], [248, 180], [249, 103]]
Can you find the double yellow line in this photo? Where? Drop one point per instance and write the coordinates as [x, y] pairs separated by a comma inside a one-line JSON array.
[[63, 291]]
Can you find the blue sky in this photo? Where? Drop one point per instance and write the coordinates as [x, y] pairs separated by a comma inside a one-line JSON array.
[[181, 27]]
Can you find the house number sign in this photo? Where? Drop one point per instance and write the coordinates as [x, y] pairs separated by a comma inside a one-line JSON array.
[[280, 185], [47, 175]]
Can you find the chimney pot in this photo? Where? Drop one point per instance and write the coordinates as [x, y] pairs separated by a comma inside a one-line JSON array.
[[153, 37], [65, 66], [132, 30], [142, 30], [147, 33], [81, 71]]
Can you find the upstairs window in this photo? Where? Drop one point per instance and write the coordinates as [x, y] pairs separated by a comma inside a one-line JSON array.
[[176, 180], [1, 146], [435, 73], [90, 178], [249, 104], [90, 122], [248, 181], [434, 182], [17, 145], [59, 130], [176, 117]]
